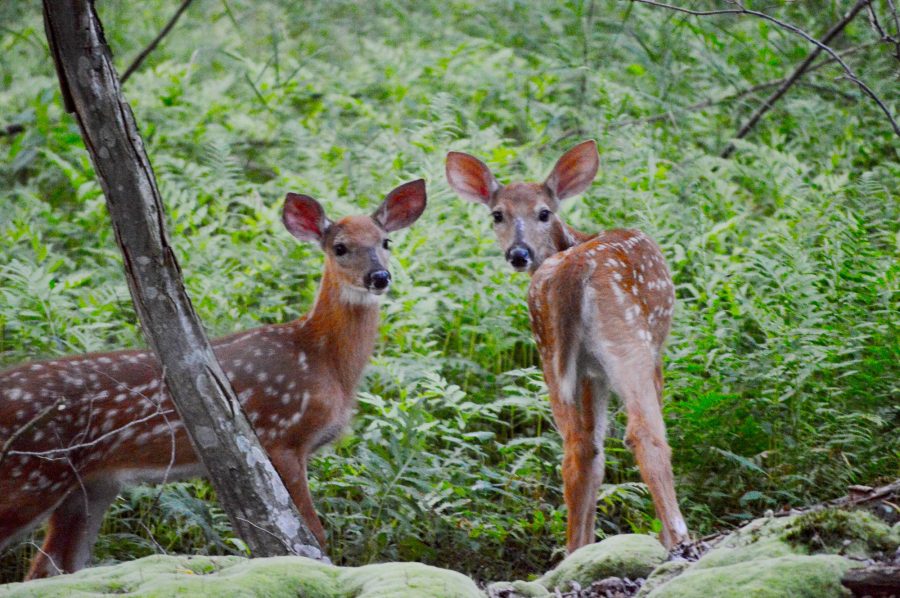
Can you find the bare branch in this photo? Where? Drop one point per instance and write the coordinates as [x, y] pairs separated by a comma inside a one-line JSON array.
[[798, 72], [34, 421], [735, 95], [884, 35], [136, 63], [820, 47]]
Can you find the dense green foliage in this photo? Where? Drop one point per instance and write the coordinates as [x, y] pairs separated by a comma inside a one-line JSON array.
[[782, 369]]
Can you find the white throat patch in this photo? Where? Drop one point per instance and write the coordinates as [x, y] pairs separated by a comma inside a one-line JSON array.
[[356, 296]]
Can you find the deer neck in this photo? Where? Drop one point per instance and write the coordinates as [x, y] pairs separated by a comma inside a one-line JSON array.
[[566, 237], [341, 329]]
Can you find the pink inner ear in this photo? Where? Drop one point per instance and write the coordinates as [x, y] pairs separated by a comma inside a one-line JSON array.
[[303, 217], [402, 206], [575, 171], [470, 177]]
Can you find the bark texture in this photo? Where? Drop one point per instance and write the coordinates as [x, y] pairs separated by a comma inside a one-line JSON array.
[[247, 484]]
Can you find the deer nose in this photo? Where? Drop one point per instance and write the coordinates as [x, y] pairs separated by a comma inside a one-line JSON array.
[[378, 280], [519, 257]]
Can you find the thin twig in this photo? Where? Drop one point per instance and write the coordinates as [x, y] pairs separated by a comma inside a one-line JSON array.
[[34, 421], [51, 454], [820, 46], [795, 76], [135, 65], [733, 96], [885, 36]]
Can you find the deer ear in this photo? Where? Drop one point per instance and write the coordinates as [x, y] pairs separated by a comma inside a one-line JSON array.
[[471, 178], [304, 217], [574, 172], [402, 206]]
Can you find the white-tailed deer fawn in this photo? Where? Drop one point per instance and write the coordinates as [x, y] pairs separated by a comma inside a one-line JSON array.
[[600, 308], [101, 421]]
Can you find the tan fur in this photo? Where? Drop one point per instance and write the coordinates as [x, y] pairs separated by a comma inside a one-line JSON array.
[[600, 308], [115, 424]]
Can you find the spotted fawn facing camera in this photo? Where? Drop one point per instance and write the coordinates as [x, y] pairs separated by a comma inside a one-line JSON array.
[[601, 307], [106, 420]]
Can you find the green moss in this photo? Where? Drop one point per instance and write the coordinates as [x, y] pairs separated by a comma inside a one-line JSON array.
[[759, 539], [833, 531], [163, 576], [626, 555], [794, 576], [662, 574], [526, 589], [412, 580]]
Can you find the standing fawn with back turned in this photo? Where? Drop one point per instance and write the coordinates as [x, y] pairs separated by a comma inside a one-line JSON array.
[[108, 420], [600, 308]]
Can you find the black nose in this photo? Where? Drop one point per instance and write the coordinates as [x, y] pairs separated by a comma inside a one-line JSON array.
[[378, 279], [518, 256]]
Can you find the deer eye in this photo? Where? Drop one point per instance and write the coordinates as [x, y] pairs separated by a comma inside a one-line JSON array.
[[340, 249], [386, 244], [498, 217], [544, 216]]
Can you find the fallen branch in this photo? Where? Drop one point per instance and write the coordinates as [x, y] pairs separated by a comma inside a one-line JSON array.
[[135, 65], [875, 580], [859, 495], [820, 47]]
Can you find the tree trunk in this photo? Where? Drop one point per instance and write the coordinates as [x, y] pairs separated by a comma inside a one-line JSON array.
[[247, 484]]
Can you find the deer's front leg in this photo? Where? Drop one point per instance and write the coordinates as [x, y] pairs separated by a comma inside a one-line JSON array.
[[581, 420], [291, 466]]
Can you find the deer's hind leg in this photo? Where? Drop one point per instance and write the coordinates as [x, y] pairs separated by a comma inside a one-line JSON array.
[[581, 420], [637, 379], [73, 528]]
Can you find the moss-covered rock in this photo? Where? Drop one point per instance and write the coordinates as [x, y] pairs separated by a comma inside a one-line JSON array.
[[626, 555], [525, 589], [399, 580], [662, 574], [792, 576], [759, 539], [853, 533], [803, 555], [224, 577]]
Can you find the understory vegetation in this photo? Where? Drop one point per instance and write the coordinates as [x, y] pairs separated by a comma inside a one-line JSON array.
[[782, 375]]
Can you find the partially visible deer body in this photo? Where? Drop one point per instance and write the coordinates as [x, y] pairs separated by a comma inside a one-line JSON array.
[[600, 308], [108, 420]]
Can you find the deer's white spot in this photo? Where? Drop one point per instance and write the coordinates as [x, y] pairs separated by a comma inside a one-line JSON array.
[[619, 293], [304, 401]]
